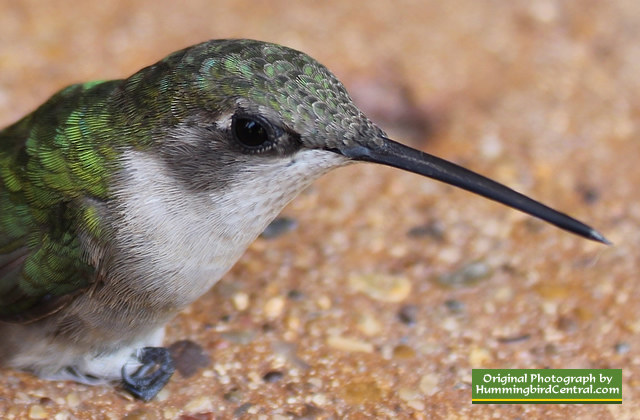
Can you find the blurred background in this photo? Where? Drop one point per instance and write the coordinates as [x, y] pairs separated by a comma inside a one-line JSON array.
[[389, 288]]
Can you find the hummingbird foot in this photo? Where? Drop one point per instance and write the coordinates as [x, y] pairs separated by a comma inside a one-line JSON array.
[[153, 374]]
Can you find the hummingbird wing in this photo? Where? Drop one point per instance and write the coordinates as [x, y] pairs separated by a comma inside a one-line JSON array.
[[53, 170]]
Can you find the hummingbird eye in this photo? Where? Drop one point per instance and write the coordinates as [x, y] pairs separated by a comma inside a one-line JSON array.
[[251, 132]]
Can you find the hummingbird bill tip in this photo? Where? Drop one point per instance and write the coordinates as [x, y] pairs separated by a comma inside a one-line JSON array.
[[597, 236]]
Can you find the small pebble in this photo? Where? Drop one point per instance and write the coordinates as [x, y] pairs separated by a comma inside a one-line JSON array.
[[234, 396], [288, 351], [272, 376], [295, 295], [368, 324], [349, 344], [622, 347], [188, 357], [197, 416], [279, 227], [590, 195], [324, 302], [514, 339], [534, 225], [319, 399], [454, 306], [240, 301], [382, 287], [416, 405], [143, 413], [412, 398], [584, 314], [553, 291], [567, 324], [551, 350], [242, 410], [310, 412], [407, 394], [72, 399], [467, 275], [274, 307], [478, 357], [162, 395], [449, 254], [403, 352], [550, 307], [429, 384], [315, 382], [267, 327], [490, 146], [36, 411], [199, 405], [434, 230], [450, 324], [362, 392], [503, 294], [408, 314], [170, 413], [239, 336], [293, 322]]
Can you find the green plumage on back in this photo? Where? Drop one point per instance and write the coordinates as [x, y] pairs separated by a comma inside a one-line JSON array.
[[52, 167]]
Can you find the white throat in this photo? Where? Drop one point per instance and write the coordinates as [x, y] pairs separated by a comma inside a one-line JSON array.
[[182, 242]]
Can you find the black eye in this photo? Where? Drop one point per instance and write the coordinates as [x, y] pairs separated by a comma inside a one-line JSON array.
[[251, 132]]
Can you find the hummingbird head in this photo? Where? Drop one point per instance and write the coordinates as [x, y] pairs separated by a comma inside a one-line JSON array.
[[243, 112]]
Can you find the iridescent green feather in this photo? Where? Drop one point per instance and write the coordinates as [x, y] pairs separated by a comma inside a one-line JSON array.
[[51, 163]]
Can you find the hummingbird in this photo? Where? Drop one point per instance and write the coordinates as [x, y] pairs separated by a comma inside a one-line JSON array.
[[123, 201]]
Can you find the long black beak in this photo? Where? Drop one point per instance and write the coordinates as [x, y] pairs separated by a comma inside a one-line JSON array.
[[400, 156]]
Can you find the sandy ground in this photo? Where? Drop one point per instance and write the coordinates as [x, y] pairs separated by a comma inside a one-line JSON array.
[[391, 287]]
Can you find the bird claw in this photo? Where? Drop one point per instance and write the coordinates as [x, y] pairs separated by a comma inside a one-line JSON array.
[[157, 367]]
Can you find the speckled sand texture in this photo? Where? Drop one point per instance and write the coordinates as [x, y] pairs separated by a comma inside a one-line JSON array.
[[390, 288]]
